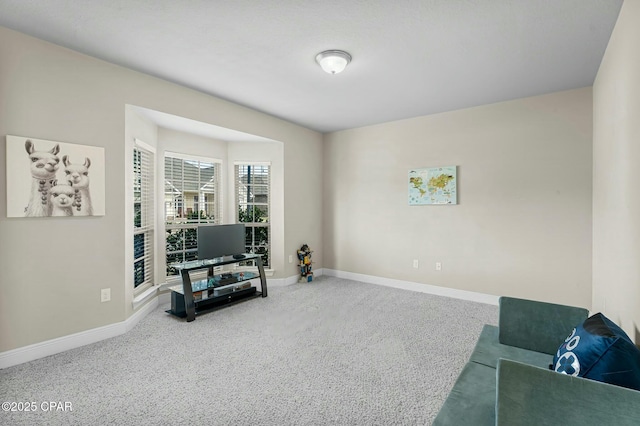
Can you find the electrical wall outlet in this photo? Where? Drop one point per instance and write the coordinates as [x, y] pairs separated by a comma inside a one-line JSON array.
[[290, 258], [105, 295], [438, 266], [415, 263]]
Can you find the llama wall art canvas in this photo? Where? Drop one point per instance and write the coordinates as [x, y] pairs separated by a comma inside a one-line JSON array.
[[47, 178]]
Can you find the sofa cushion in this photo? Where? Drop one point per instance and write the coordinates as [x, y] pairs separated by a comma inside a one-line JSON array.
[[472, 401], [599, 350], [537, 326], [488, 349]]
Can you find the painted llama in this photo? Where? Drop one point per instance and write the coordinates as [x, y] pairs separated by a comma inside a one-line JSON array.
[[78, 177], [44, 165], [62, 199]]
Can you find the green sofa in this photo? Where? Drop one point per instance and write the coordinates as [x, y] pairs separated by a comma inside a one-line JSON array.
[[507, 380]]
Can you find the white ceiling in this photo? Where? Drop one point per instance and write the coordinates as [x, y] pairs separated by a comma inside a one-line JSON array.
[[410, 57]]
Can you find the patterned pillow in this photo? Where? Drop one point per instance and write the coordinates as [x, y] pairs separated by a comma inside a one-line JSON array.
[[599, 350]]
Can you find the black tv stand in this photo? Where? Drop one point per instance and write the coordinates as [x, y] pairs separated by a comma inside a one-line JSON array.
[[193, 298]]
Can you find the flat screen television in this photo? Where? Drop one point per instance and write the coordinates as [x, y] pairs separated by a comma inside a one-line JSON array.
[[220, 240]]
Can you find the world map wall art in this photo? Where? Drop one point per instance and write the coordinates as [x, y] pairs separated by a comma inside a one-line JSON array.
[[47, 178], [433, 185]]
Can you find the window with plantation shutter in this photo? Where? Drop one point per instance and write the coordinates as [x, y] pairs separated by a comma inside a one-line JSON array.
[[143, 215], [191, 198], [252, 185]]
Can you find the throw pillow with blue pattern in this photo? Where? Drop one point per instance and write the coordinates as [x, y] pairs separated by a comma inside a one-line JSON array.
[[599, 350]]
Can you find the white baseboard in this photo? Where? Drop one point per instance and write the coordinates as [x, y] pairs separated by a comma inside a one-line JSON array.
[[413, 286], [72, 341], [283, 282]]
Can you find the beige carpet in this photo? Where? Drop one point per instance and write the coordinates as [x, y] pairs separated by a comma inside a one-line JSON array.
[[331, 352]]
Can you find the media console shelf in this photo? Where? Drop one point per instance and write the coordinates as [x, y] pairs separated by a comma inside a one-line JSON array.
[[193, 298]]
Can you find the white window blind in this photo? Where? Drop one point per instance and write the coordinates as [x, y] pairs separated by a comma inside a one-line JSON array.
[[253, 186], [143, 223]]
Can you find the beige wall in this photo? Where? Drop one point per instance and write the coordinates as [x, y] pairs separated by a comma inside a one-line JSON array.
[[616, 175], [52, 270], [523, 223]]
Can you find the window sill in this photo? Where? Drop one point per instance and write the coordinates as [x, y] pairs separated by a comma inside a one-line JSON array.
[[145, 296]]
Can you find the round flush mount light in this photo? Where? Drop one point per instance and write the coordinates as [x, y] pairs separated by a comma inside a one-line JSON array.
[[333, 61]]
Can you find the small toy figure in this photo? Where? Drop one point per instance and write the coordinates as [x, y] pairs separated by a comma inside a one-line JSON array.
[[304, 256]]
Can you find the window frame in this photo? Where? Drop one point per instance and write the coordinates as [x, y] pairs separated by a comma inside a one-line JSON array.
[[148, 218], [267, 258], [187, 199]]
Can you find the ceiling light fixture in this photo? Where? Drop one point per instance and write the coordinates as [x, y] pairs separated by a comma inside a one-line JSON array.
[[333, 61]]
